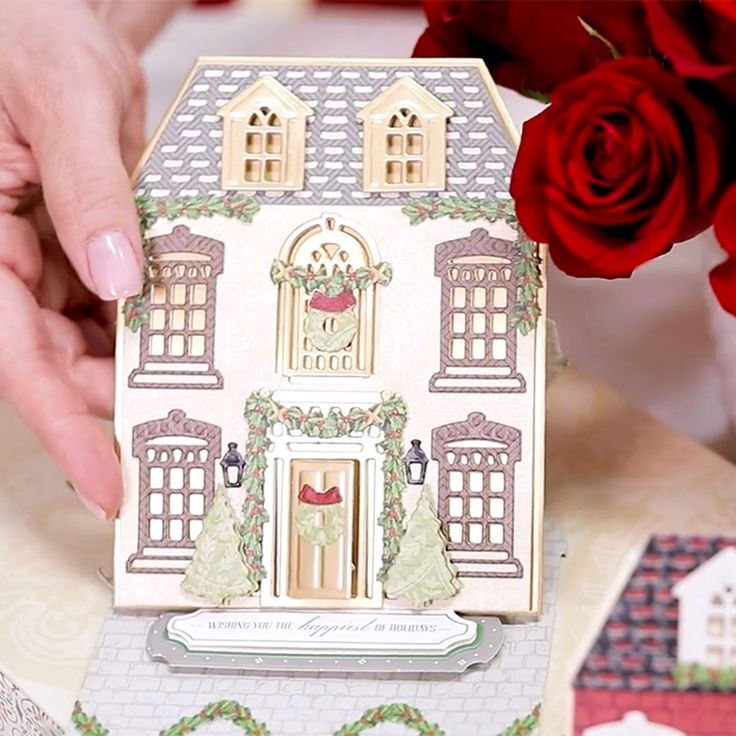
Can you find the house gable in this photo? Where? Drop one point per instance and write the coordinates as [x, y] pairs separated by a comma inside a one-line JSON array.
[[711, 578], [707, 630], [637, 648]]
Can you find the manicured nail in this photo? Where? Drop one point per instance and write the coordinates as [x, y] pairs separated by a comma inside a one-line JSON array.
[[113, 265], [93, 508]]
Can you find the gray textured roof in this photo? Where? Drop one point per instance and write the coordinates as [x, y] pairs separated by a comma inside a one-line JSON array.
[[185, 161]]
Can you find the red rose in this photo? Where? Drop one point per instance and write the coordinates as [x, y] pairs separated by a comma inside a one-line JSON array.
[[723, 277], [623, 163], [533, 45], [698, 38]]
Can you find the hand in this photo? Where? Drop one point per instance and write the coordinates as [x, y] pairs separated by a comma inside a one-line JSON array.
[[71, 118]]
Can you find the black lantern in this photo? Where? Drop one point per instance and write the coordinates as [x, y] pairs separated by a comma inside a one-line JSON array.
[[233, 465], [415, 464]]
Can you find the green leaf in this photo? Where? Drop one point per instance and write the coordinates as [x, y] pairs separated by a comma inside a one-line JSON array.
[[538, 95]]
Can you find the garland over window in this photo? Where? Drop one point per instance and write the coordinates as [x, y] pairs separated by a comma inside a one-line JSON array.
[[151, 210], [331, 284], [262, 412], [526, 266]]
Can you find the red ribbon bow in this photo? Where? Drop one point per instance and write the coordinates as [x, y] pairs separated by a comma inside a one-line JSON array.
[[330, 497], [334, 304]]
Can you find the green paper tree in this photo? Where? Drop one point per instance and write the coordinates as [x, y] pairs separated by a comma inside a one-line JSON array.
[[217, 571], [422, 572]]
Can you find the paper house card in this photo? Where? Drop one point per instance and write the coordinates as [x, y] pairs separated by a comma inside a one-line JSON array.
[[664, 663], [330, 392]]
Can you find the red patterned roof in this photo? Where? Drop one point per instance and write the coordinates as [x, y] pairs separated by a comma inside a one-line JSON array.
[[637, 647]]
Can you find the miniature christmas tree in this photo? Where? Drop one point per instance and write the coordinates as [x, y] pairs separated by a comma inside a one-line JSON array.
[[422, 572], [216, 571]]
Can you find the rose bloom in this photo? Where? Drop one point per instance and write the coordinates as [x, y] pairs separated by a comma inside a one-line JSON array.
[[698, 39], [623, 163], [533, 45]]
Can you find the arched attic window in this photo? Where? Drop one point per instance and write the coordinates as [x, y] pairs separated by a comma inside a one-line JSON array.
[[263, 144], [404, 139], [405, 148], [264, 147]]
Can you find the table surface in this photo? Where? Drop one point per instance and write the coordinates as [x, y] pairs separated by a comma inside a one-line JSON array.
[[615, 476]]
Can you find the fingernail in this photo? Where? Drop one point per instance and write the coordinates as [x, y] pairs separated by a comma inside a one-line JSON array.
[[93, 508], [113, 265]]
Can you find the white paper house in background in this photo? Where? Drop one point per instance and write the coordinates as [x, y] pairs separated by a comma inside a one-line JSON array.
[[707, 627], [632, 724]]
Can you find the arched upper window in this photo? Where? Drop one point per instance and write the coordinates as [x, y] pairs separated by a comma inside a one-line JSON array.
[[404, 139], [328, 276], [263, 143]]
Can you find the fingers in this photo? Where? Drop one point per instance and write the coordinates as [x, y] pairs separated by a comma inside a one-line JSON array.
[[19, 249], [138, 20], [133, 128], [69, 106], [73, 345], [46, 399]]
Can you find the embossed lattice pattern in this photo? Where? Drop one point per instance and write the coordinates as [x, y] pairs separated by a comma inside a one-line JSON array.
[[186, 161]]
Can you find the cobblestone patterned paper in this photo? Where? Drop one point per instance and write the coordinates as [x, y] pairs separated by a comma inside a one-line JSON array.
[[133, 696]]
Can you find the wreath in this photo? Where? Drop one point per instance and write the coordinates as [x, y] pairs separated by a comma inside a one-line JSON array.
[[331, 322], [320, 517]]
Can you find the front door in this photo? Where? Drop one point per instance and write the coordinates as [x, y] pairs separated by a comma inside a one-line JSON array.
[[325, 555]]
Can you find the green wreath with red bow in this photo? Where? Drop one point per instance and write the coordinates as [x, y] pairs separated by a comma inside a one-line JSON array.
[[331, 322], [320, 517]]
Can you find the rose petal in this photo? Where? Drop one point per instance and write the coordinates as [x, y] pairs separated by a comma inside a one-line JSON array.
[[724, 223], [723, 282]]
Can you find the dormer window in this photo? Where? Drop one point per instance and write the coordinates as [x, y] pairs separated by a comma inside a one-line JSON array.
[[264, 149], [404, 148], [264, 131], [404, 140]]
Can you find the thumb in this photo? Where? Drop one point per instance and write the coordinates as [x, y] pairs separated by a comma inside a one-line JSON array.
[[74, 133]]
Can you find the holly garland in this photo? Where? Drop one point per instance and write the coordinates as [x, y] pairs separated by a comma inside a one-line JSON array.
[[695, 676], [526, 266], [331, 284], [262, 412], [87, 724], [230, 710], [225, 710], [394, 713], [393, 416], [259, 415], [151, 209], [525, 726]]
